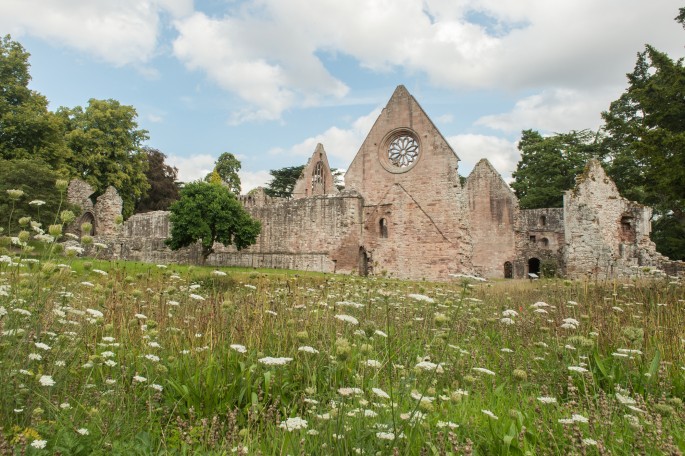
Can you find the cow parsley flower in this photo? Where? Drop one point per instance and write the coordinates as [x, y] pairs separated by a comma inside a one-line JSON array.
[[239, 348], [483, 370], [347, 318], [293, 424], [308, 349], [490, 414], [380, 393], [46, 380], [39, 444], [271, 361]]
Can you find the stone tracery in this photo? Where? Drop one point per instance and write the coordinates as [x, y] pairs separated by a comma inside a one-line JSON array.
[[403, 151]]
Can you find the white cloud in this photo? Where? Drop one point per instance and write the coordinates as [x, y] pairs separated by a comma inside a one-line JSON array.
[[269, 52], [502, 154], [120, 32], [253, 179], [553, 111], [268, 64], [193, 167], [340, 144]]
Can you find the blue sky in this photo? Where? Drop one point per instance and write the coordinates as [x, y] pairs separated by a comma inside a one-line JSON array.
[[268, 79]]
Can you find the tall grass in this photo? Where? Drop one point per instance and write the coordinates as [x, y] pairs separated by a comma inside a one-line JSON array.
[[102, 357]]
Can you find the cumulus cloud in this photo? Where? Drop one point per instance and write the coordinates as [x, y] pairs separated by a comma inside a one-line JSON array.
[[252, 179], [341, 144], [270, 53], [193, 167], [470, 148], [554, 110], [122, 32]]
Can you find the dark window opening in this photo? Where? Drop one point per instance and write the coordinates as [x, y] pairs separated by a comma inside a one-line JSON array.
[[383, 226], [544, 242], [531, 238], [543, 220]]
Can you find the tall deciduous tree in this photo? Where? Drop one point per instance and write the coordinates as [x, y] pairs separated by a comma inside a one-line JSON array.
[[646, 139], [227, 167], [27, 128], [162, 180], [106, 143], [283, 181], [210, 213], [549, 165]]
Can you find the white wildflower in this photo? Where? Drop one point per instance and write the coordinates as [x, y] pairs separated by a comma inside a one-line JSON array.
[[46, 380], [308, 349], [293, 424], [490, 414], [347, 318], [271, 361]]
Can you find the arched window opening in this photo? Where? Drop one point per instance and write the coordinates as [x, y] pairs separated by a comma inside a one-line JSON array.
[[318, 177], [508, 270], [543, 220], [544, 242], [383, 227]]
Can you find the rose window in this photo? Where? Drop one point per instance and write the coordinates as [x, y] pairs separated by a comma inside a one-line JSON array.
[[403, 151]]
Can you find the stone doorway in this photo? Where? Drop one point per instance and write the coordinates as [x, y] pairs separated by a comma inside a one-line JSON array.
[[534, 266], [508, 270], [363, 262]]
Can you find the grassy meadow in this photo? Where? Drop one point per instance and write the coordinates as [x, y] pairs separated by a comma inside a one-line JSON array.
[[104, 357]]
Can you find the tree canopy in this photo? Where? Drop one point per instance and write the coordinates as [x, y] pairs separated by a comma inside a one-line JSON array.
[[27, 128], [162, 180], [549, 165], [106, 143], [283, 181], [210, 213]]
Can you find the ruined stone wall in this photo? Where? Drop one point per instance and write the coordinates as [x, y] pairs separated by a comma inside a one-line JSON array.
[[493, 208], [426, 199], [107, 210], [606, 235], [316, 178], [316, 234], [320, 233], [540, 235]]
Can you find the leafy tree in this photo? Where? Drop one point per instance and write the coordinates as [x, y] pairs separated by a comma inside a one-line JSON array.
[[210, 213], [549, 165], [37, 180], [162, 180], [106, 143], [646, 140], [283, 181], [227, 167], [27, 128]]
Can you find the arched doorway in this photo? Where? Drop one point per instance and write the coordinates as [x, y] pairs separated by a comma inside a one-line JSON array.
[[534, 266], [87, 217], [508, 270]]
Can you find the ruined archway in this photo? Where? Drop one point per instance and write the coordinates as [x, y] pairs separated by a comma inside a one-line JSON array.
[[534, 266], [87, 217]]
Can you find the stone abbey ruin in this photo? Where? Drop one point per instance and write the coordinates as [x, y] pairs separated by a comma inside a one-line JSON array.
[[405, 214]]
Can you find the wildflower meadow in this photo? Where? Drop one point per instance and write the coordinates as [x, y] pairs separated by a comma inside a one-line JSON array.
[[113, 357]]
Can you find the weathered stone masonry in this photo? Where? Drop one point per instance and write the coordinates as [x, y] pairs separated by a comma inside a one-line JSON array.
[[405, 214]]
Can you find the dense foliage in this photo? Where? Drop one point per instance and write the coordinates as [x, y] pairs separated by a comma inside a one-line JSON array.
[[226, 168], [40, 200], [107, 143], [27, 129], [210, 213], [162, 179], [283, 181], [549, 165]]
